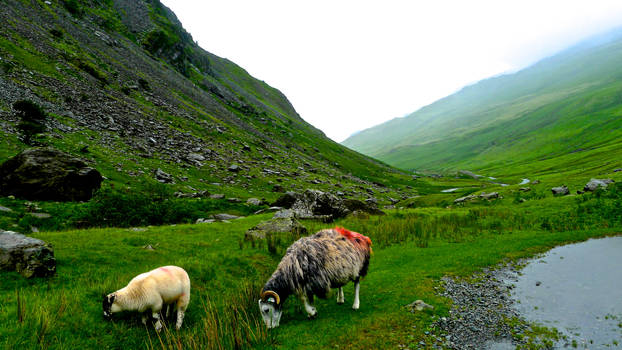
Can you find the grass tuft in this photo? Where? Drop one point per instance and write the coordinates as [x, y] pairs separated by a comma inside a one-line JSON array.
[[20, 308]]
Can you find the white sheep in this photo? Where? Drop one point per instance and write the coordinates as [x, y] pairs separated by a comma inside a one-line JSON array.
[[149, 292], [312, 266]]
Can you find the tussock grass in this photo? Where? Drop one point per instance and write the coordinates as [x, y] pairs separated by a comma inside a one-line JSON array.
[[602, 209], [234, 326]]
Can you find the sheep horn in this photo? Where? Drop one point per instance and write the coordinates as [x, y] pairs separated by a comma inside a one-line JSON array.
[[270, 293]]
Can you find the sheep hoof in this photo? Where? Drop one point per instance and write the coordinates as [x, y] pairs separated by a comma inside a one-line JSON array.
[[340, 302], [312, 316], [355, 307]]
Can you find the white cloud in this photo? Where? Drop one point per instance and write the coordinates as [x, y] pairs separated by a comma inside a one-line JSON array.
[[348, 65]]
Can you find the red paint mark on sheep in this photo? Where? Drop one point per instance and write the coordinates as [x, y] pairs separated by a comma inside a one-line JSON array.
[[166, 270], [353, 237]]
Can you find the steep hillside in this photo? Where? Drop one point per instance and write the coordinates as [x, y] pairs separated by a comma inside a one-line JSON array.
[[126, 88], [563, 112]]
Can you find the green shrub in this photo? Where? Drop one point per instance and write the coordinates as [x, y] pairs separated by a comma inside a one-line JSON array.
[[157, 41], [7, 66], [144, 84], [170, 47], [58, 34], [154, 204], [91, 68], [604, 206], [74, 7], [32, 120]]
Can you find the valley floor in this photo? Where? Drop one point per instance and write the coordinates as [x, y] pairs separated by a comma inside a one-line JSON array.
[[64, 312]]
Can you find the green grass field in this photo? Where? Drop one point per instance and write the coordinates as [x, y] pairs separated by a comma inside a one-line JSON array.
[[413, 249]]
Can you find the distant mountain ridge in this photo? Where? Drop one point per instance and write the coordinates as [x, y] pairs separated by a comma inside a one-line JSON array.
[[556, 106]]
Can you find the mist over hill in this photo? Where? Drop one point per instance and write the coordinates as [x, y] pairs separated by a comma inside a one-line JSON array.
[[565, 107]]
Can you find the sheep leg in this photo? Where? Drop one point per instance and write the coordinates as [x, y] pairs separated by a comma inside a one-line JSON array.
[[180, 308], [158, 323], [155, 313], [180, 318], [307, 300], [357, 286], [340, 298], [144, 318]]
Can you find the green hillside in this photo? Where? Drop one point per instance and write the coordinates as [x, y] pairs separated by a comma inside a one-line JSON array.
[[561, 113], [126, 88]]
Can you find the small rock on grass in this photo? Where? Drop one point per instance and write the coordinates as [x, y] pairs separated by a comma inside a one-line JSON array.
[[419, 305], [224, 216], [560, 190]]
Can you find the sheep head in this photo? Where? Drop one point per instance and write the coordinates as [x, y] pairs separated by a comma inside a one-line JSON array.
[[107, 305], [270, 308]]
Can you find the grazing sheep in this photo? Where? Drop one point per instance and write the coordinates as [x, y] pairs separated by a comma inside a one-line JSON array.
[[312, 266], [149, 292]]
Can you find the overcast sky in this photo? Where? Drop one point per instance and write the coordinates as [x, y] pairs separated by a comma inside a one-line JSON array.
[[347, 65]]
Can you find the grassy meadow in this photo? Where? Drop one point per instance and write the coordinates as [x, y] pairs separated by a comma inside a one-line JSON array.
[[413, 249], [147, 100]]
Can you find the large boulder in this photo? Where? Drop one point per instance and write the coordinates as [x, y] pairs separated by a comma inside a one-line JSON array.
[[284, 213], [596, 183], [48, 174], [29, 256], [317, 203], [280, 225], [286, 200]]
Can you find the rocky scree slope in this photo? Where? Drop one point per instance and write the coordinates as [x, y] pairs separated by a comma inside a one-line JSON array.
[[127, 89]]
